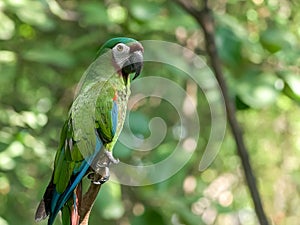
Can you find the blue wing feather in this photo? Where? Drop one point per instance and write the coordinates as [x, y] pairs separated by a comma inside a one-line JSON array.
[[114, 116], [60, 199]]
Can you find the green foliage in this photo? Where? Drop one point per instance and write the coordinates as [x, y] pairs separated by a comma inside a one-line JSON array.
[[47, 45]]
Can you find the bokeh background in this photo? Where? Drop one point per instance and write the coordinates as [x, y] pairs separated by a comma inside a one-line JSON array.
[[45, 46]]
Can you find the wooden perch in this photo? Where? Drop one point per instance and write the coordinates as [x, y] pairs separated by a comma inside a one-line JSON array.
[[88, 202], [205, 20], [102, 163]]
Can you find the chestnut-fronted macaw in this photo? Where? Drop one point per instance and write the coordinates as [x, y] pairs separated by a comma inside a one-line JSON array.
[[94, 123]]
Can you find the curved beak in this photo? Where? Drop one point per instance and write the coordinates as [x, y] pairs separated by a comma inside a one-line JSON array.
[[137, 63], [134, 63]]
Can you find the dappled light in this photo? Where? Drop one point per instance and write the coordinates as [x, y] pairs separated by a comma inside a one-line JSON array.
[[47, 45]]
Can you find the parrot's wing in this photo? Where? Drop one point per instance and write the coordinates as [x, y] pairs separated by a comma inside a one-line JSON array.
[[93, 85], [83, 119], [107, 115], [71, 161], [70, 167]]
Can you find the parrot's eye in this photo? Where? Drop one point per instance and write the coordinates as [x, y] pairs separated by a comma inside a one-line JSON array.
[[120, 47]]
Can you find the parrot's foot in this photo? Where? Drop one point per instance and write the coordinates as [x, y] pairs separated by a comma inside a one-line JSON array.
[[99, 179], [101, 172], [111, 158]]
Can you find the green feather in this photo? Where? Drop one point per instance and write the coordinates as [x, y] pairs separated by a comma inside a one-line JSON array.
[[66, 215], [112, 42]]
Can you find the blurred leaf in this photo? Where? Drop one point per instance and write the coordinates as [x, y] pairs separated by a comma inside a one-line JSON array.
[[7, 27], [27, 31], [231, 23], [240, 105], [93, 13], [274, 39], [117, 13], [6, 162], [122, 151], [15, 149], [25, 179], [171, 18], [3, 221], [139, 123], [148, 217], [7, 57], [257, 89], [31, 12], [109, 201], [34, 120], [229, 46], [292, 85], [144, 10], [163, 151], [51, 55], [4, 184]]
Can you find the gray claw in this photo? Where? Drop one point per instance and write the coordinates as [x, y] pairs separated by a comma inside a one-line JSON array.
[[101, 168], [101, 181], [100, 177], [111, 157]]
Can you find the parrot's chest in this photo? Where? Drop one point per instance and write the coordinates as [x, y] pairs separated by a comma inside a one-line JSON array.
[[122, 100], [123, 95]]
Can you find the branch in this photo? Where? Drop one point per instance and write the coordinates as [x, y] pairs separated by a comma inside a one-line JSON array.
[[102, 162], [88, 202], [205, 19], [100, 167]]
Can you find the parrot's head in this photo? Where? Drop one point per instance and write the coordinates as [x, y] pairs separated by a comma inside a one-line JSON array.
[[127, 55]]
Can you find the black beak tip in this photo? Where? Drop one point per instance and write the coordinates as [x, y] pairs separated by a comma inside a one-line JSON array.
[[134, 63], [135, 75], [138, 69]]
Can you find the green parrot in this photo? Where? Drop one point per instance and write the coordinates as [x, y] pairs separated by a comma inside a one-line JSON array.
[[93, 126]]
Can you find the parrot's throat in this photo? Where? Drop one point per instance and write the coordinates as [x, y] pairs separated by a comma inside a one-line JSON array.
[[128, 68], [120, 72], [125, 76]]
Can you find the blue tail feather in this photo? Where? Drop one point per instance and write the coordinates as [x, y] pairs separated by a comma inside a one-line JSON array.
[[60, 199]]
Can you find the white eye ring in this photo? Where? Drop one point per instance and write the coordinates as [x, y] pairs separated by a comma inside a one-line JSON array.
[[120, 47]]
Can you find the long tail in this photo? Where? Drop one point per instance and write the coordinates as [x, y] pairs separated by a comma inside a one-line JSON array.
[[53, 201], [43, 209], [70, 211], [59, 200]]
